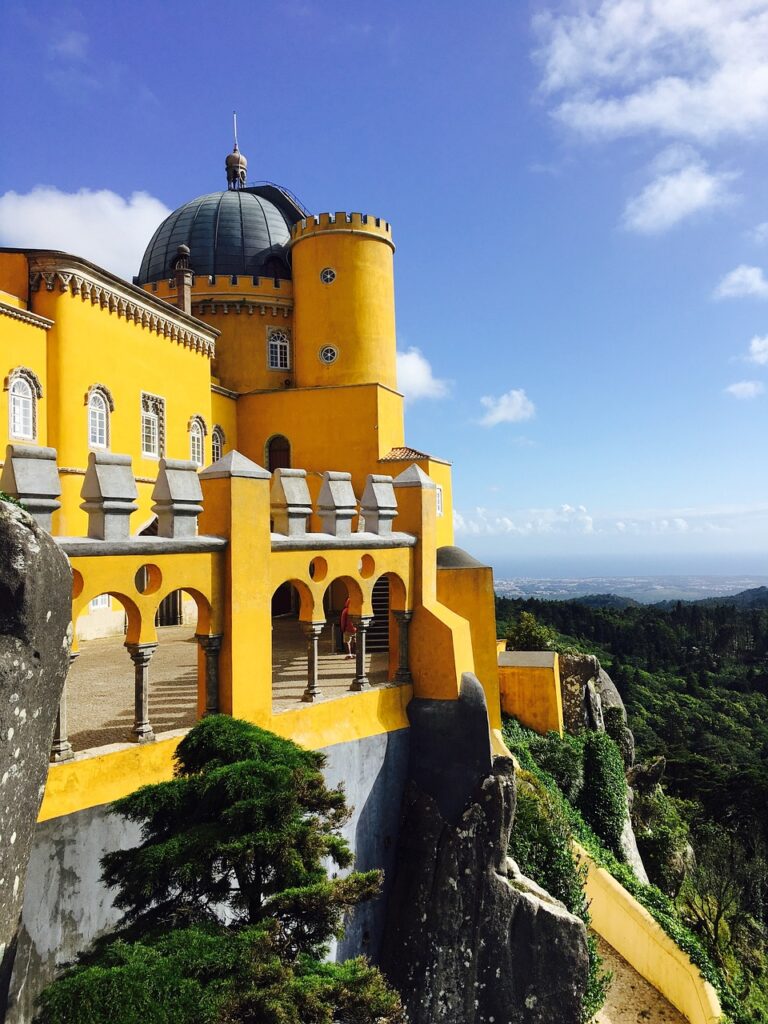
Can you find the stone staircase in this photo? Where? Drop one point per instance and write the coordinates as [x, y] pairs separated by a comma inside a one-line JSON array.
[[378, 631]]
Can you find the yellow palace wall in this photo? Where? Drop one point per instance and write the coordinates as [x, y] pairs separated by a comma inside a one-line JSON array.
[[89, 344]]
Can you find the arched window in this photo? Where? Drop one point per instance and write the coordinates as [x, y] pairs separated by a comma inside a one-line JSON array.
[[100, 405], [217, 443], [278, 350], [24, 389], [197, 432], [278, 453], [22, 410]]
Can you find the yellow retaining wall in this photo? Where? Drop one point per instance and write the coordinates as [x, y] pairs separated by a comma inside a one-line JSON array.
[[632, 932], [93, 779], [529, 685]]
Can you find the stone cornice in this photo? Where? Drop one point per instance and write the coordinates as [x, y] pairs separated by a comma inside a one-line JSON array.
[[34, 319], [78, 278], [219, 390]]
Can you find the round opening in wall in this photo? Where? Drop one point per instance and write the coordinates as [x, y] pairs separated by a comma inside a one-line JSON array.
[[367, 567], [148, 579], [327, 275], [328, 354], [318, 569], [77, 583]]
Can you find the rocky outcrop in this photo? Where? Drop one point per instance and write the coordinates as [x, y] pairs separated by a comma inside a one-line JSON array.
[[35, 589], [591, 702], [468, 938]]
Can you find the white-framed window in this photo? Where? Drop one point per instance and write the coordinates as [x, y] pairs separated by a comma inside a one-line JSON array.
[[196, 443], [22, 409], [100, 603], [439, 499], [98, 421], [217, 443], [278, 349], [152, 426]]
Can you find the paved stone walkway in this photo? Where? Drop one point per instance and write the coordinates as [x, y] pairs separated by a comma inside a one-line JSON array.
[[631, 1000]]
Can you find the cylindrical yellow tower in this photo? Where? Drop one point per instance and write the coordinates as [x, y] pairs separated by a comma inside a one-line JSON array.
[[344, 301]]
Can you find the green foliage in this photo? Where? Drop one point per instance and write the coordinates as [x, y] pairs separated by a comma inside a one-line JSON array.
[[227, 905], [247, 816], [603, 800], [529, 635], [540, 843], [661, 907], [563, 758], [10, 499], [202, 975], [662, 839]]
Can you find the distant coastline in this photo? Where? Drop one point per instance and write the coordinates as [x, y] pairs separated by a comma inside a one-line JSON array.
[[645, 589]]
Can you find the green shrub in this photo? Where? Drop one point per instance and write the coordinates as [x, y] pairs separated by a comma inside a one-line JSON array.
[[603, 800], [563, 759]]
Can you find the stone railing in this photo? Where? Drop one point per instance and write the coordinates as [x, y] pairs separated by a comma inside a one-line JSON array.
[[110, 497]]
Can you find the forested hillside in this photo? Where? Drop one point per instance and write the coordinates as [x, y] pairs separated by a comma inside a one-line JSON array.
[[694, 678]]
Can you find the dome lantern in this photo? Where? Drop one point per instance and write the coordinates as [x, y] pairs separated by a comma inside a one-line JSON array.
[[236, 164]]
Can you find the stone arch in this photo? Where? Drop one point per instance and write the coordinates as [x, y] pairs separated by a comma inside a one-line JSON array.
[[202, 603], [307, 606], [131, 609]]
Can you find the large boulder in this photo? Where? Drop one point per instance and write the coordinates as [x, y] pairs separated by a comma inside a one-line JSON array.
[[468, 939], [35, 612]]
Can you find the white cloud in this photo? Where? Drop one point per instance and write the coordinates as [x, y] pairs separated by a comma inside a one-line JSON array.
[[568, 519], [416, 379], [758, 350], [71, 45], [576, 521], [511, 407], [741, 282], [99, 225], [745, 389], [678, 68], [678, 193], [759, 233]]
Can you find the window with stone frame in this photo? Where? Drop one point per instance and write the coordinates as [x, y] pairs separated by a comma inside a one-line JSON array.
[[197, 432], [438, 500], [100, 405], [23, 392], [278, 349], [152, 426], [218, 441]]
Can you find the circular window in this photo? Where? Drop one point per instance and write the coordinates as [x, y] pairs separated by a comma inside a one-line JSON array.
[[328, 354], [327, 275]]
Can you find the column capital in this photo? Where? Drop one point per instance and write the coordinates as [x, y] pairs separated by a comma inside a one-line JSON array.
[[141, 653], [312, 629], [403, 615], [210, 641], [362, 621]]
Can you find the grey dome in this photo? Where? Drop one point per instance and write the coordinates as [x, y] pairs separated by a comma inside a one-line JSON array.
[[240, 231]]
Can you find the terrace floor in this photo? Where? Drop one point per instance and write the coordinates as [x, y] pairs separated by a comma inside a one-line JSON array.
[[100, 684]]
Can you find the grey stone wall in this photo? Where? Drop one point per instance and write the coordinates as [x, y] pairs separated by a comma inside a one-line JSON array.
[[66, 906]]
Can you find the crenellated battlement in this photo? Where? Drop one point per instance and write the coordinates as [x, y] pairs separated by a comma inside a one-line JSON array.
[[225, 285], [343, 223]]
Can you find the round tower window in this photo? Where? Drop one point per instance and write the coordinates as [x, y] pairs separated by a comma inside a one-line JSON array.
[[328, 354], [327, 275]]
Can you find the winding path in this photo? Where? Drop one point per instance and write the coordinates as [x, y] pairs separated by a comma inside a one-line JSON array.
[[631, 999]]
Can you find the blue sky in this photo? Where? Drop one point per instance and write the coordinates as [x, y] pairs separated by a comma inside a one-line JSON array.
[[579, 199]]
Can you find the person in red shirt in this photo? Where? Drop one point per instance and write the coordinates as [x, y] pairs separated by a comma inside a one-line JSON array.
[[348, 629]]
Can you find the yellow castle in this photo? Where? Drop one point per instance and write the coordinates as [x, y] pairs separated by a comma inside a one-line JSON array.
[[223, 439]]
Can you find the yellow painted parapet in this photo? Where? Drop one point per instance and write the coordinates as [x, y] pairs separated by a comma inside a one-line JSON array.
[[529, 684], [632, 932], [342, 222], [469, 592], [99, 777]]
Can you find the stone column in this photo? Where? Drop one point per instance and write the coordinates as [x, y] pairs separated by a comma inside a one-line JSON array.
[[61, 748], [312, 631], [361, 681], [141, 655], [403, 674], [211, 645]]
